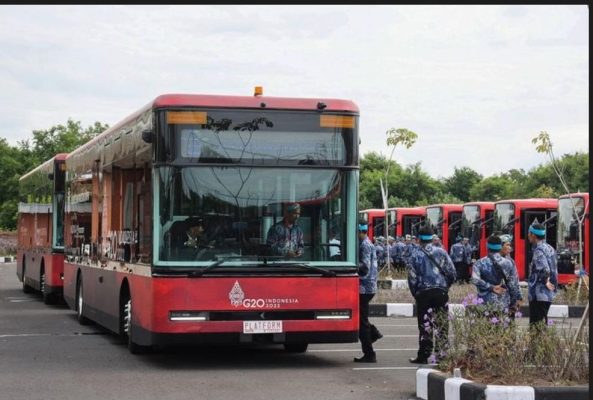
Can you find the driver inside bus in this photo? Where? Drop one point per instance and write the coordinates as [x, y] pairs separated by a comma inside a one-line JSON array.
[[285, 238]]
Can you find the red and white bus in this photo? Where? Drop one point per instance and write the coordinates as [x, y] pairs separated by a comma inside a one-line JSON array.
[[375, 219], [446, 222], [231, 164], [405, 220], [572, 247], [476, 225], [515, 216], [40, 243]]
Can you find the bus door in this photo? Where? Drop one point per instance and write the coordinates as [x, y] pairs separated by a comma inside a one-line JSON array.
[[454, 228]]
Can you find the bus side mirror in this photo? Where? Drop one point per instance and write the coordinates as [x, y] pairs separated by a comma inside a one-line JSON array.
[[147, 136]]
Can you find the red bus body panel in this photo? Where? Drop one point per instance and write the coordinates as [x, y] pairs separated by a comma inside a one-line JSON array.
[[447, 211], [374, 216], [401, 213], [520, 242], [158, 296]]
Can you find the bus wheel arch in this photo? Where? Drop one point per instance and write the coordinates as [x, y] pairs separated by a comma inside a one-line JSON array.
[[126, 318]]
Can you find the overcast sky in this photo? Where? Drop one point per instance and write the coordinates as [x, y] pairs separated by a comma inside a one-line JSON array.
[[476, 83]]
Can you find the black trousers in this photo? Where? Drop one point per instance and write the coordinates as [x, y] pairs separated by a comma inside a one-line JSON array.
[[435, 322], [538, 311], [462, 271], [365, 327]]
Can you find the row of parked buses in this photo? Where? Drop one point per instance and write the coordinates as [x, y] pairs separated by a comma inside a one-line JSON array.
[[566, 220], [107, 226]]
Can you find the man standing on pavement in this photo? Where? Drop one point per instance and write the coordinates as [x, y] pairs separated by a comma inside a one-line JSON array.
[[430, 274], [367, 271], [543, 275]]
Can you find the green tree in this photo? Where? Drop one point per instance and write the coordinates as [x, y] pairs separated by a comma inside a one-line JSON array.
[[61, 139], [460, 183], [16, 161]]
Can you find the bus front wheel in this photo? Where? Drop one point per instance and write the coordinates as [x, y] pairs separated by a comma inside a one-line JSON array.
[[299, 347], [133, 347]]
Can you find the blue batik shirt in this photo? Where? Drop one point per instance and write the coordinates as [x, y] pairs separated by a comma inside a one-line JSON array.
[[367, 265], [283, 239], [543, 266], [467, 253], [380, 251], [424, 275], [485, 276], [456, 252]]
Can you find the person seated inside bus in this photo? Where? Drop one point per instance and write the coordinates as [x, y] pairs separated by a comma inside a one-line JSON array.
[[335, 252], [189, 240], [285, 238]]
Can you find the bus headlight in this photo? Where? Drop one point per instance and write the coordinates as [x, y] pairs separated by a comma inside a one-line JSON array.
[[333, 314], [188, 316]]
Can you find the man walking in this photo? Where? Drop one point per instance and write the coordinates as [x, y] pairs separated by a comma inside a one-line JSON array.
[[430, 274], [367, 271]]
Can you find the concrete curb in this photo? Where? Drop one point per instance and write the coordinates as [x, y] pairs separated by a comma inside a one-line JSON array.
[[7, 259], [432, 384], [409, 310]]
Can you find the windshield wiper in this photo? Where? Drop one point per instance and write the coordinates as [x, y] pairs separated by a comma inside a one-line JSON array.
[[324, 272]]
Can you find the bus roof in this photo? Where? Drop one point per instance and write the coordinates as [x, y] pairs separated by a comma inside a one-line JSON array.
[[536, 202], [46, 166], [220, 101], [278, 103], [448, 206]]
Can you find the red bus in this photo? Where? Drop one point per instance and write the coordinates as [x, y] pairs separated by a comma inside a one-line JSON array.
[[572, 247], [515, 216], [404, 220], [40, 243], [476, 225], [446, 222], [230, 166], [375, 218]]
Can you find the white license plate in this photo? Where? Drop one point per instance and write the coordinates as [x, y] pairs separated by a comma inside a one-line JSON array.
[[262, 326]]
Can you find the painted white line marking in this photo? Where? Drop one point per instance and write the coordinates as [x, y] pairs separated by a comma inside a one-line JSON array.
[[354, 349], [375, 368]]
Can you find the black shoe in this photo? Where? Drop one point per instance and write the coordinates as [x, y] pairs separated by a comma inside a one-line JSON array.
[[366, 359], [418, 360], [376, 336]]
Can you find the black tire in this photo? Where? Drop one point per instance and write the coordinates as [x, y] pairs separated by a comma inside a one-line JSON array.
[[26, 288], [82, 320], [298, 347], [48, 298], [127, 313]]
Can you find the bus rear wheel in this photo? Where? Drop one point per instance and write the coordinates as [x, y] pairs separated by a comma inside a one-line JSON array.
[[82, 320], [26, 288]]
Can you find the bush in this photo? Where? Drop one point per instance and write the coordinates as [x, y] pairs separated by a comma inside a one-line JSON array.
[[491, 348]]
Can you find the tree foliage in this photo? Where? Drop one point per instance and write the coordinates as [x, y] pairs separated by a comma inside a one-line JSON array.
[[15, 161]]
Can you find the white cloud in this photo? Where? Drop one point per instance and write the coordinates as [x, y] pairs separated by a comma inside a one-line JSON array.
[[475, 82]]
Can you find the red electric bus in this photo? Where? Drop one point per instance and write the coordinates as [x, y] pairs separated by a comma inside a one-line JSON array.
[[233, 164], [40, 248], [404, 220], [573, 216], [515, 216], [375, 218], [446, 222], [476, 225]]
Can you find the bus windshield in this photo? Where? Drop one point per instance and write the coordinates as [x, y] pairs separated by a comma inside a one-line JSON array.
[[504, 218], [470, 227], [568, 224], [434, 216], [208, 213]]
